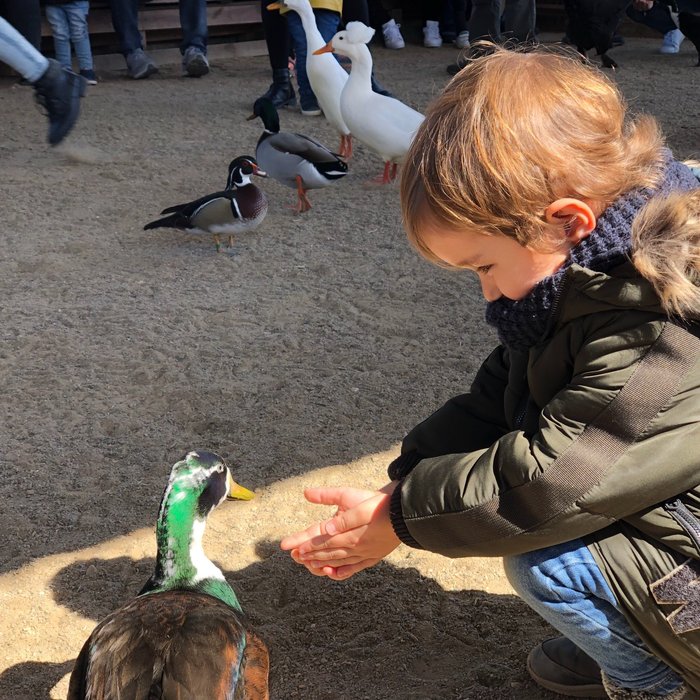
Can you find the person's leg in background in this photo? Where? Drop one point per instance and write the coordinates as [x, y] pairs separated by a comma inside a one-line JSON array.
[[57, 89], [565, 586], [193, 21], [432, 11], [77, 14], [461, 13], [519, 20], [659, 18], [485, 20], [25, 17], [379, 18], [125, 21], [281, 92], [60, 30], [327, 22]]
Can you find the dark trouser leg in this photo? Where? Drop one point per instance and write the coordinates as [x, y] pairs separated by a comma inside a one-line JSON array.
[[485, 20], [276, 36], [355, 11], [519, 19], [377, 14], [193, 21], [25, 17], [125, 20]]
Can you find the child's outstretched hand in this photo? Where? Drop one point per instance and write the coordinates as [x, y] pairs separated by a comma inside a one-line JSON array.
[[358, 536]]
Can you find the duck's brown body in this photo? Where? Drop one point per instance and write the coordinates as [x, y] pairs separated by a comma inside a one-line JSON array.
[[172, 645]]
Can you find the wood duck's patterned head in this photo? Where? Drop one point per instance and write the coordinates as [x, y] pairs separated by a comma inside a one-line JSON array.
[[240, 171]]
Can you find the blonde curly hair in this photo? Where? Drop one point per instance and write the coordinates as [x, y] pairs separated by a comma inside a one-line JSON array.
[[514, 131]]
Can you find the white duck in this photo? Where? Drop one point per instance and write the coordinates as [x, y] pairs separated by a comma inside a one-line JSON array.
[[326, 76], [383, 124]]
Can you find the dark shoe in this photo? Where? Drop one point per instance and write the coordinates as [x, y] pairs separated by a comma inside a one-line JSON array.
[[140, 65], [309, 107], [560, 666], [281, 92], [59, 91], [89, 76], [194, 62], [618, 40], [454, 68]]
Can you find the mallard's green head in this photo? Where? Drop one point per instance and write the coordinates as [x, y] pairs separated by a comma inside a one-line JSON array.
[[267, 111], [204, 480], [198, 483]]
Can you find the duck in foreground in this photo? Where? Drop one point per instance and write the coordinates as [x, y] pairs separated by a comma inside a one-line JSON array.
[[294, 160], [184, 637], [326, 76], [384, 124], [240, 207]]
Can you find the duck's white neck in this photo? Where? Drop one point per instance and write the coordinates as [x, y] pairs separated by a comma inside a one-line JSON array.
[[361, 71], [314, 40]]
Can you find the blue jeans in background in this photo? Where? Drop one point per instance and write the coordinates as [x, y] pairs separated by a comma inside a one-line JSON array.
[[69, 26], [193, 22], [327, 22], [19, 54], [566, 587]]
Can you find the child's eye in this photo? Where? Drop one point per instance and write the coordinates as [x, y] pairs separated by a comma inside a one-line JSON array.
[[483, 269]]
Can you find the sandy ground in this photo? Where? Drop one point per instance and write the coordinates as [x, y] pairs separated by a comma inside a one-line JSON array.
[[302, 356]]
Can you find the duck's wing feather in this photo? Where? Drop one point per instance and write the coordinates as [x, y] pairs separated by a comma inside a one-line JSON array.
[[302, 146], [172, 644]]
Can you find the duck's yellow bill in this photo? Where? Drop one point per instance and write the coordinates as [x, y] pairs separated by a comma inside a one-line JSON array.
[[236, 492], [328, 48], [275, 6]]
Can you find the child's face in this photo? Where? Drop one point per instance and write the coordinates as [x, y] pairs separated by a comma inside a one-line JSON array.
[[505, 267]]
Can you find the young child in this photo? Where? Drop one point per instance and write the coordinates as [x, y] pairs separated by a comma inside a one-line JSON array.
[[574, 454], [68, 20]]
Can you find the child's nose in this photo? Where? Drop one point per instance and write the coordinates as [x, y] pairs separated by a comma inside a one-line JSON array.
[[490, 291]]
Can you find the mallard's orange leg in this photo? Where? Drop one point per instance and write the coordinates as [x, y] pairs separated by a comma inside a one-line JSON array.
[[303, 203], [217, 241], [394, 169]]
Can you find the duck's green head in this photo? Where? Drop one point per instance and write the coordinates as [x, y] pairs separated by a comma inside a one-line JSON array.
[[267, 111], [203, 479]]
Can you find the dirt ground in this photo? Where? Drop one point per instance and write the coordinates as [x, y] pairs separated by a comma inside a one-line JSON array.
[[302, 355]]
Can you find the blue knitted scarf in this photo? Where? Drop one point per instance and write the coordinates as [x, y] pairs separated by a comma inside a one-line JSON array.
[[523, 323]]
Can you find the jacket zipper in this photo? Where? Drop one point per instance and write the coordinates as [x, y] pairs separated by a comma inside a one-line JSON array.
[[682, 515]]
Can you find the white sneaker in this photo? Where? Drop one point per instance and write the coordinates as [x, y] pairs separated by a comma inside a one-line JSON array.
[[392, 35], [462, 40], [672, 41], [431, 34]]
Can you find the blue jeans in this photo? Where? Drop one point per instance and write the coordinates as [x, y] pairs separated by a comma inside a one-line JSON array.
[[327, 22], [566, 587], [19, 54], [193, 22], [69, 25]]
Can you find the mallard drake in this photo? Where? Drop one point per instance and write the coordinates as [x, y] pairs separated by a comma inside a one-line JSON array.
[[326, 75], [384, 124], [240, 207], [184, 636], [294, 160]]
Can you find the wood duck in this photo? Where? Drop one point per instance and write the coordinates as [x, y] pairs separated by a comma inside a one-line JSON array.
[[293, 159], [185, 635], [240, 207], [382, 123], [326, 76]]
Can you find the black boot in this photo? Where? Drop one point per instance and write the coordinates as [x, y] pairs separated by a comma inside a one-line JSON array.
[[59, 90], [281, 92]]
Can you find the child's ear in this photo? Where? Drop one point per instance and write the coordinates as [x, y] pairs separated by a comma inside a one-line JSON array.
[[576, 216]]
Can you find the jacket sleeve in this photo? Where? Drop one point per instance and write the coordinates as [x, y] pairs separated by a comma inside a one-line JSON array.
[[614, 441], [465, 423]]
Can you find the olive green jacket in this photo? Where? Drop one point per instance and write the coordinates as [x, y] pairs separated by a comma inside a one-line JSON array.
[[594, 434]]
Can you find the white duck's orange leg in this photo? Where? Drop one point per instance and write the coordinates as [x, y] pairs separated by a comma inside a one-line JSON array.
[[394, 169], [345, 146], [384, 178]]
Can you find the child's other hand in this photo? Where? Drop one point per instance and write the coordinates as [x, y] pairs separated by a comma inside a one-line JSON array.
[[358, 536]]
